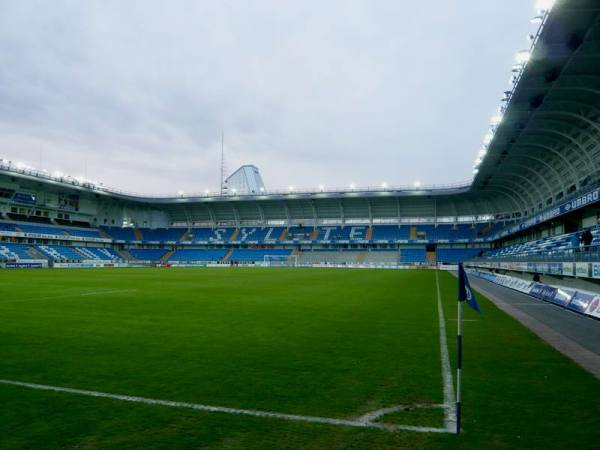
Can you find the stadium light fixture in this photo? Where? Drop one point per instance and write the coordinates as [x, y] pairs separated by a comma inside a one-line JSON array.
[[180, 193], [234, 190], [384, 185], [522, 56], [544, 5], [537, 19], [262, 189], [206, 191], [495, 120], [352, 186], [417, 184], [321, 188], [488, 138], [475, 171], [482, 152], [291, 188]]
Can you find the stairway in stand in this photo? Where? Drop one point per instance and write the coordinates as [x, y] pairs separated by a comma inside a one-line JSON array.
[[167, 255], [431, 257], [36, 254], [104, 234], [235, 235], [138, 234], [369, 234], [314, 235], [486, 230], [228, 255], [125, 255], [412, 233]]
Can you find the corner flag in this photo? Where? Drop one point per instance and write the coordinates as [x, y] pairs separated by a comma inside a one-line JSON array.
[[465, 293]]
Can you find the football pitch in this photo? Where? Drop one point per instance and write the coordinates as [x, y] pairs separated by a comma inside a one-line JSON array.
[[272, 359]]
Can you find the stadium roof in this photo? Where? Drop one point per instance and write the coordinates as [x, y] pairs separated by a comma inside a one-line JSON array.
[[547, 144]]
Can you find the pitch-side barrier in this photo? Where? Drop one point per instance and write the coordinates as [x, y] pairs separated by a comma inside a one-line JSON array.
[[580, 301]]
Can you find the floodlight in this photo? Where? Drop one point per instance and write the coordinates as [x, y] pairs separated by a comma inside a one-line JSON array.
[[384, 185], [180, 193], [262, 189], [417, 184], [495, 120], [482, 152], [321, 188], [475, 171], [291, 188], [544, 5], [537, 19], [522, 56], [488, 138], [352, 186]]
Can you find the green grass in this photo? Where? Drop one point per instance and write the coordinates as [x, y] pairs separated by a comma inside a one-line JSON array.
[[333, 343]]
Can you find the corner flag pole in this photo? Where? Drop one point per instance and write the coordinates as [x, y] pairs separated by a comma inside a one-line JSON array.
[[458, 365], [465, 294]]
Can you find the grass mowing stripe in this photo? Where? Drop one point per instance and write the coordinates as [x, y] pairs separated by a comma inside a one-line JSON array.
[[364, 422], [72, 295]]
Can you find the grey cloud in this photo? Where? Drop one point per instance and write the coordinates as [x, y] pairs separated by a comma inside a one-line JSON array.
[[311, 92]]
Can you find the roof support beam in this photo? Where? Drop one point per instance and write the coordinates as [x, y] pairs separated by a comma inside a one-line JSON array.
[[536, 175], [573, 115], [521, 203], [287, 213], [554, 152], [544, 163], [313, 207], [212, 216], [546, 131], [525, 192], [582, 130], [261, 213], [236, 215]]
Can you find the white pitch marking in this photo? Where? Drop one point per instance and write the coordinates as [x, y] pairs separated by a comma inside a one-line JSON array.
[[374, 415], [223, 409], [450, 416], [75, 294]]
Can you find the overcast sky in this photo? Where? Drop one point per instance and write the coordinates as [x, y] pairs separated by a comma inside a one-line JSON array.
[[312, 92]]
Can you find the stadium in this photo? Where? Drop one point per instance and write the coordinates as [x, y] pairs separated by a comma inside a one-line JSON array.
[[323, 318]]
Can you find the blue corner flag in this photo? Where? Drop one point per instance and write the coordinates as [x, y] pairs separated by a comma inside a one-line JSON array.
[[465, 293]]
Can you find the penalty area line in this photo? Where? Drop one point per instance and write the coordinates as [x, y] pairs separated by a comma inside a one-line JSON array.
[[363, 422]]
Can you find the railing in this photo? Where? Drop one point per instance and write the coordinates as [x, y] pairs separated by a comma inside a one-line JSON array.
[[584, 253]]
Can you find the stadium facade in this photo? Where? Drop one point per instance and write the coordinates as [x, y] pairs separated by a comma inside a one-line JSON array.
[[536, 179]]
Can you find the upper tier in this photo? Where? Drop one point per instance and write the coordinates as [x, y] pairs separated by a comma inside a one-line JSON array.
[[357, 234]]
